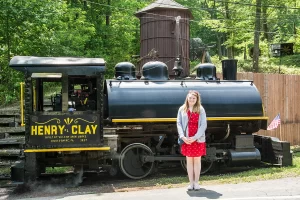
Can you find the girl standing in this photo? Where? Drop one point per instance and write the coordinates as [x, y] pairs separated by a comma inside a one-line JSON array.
[[191, 126]]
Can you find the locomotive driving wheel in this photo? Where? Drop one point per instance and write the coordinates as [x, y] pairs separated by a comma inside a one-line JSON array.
[[132, 163], [206, 165]]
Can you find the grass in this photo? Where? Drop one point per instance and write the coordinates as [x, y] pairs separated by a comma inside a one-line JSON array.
[[5, 170], [49, 170], [254, 174], [58, 170], [160, 180], [164, 180]]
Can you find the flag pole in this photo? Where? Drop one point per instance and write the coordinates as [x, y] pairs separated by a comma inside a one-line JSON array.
[[280, 130]]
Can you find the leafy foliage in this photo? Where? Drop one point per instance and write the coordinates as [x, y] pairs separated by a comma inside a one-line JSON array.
[[109, 29]]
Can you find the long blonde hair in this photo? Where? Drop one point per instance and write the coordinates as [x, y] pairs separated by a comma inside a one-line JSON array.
[[196, 107]]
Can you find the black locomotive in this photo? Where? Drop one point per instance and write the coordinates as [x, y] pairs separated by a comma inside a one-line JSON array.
[[129, 124]]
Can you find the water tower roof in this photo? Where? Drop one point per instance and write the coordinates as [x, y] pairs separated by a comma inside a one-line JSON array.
[[163, 4]]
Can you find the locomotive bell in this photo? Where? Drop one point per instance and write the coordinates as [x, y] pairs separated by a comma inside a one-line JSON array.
[[125, 71], [206, 71], [177, 67], [155, 70]]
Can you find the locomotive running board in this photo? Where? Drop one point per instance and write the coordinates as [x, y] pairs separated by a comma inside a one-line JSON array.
[[174, 119], [68, 149]]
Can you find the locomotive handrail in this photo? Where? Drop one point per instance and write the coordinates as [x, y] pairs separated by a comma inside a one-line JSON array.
[[149, 120], [68, 149], [21, 103], [34, 99], [180, 80]]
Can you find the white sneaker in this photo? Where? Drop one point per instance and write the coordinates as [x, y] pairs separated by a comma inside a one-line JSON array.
[[190, 187], [196, 186]]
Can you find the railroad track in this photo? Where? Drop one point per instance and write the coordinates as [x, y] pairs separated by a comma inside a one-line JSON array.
[[12, 139]]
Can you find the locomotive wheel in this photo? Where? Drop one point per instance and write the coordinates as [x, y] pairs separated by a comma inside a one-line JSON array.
[[131, 162], [205, 165]]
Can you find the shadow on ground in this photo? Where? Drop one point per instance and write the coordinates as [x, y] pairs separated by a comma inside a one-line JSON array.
[[209, 194]]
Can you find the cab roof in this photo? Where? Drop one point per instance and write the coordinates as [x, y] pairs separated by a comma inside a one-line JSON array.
[[66, 65]]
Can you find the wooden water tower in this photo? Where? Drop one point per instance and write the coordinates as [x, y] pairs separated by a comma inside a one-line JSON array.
[[160, 32]]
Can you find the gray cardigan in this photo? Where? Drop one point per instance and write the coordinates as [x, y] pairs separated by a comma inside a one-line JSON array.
[[182, 120]]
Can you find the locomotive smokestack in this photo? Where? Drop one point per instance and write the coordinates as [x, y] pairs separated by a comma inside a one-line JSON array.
[[229, 69]]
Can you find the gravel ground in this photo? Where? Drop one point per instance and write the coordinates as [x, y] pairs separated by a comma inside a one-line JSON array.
[[62, 184], [70, 186]]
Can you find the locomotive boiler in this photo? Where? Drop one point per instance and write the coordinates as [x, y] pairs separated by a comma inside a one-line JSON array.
[[128, 124]]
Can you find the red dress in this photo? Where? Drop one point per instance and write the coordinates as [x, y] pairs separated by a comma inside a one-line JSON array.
[[195, 149]]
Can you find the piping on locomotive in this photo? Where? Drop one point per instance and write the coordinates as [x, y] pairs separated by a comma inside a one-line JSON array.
[[128, 124]]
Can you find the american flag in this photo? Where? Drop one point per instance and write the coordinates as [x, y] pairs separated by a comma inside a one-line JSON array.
[[274, 124]]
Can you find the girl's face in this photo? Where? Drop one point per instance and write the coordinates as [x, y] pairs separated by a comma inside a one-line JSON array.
[[192, 99]]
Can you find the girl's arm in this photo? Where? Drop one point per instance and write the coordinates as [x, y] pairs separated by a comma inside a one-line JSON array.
[[202, 124]]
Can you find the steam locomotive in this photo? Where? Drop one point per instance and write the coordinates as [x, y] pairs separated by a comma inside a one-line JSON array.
[[128, 124]]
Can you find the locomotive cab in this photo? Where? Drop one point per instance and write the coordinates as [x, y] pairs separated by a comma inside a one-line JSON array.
[[70, 121]]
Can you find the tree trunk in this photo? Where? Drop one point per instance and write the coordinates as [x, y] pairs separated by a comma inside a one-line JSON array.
[[265, 23], [219, 35], [245, 52], [219, 43], [227, 16], [7, 36], [223, 39], [256, 36], [107, 13], [85, 7]]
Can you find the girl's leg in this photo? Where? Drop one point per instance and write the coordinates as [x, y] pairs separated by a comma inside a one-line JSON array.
[[190, 169], [197, 170]]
